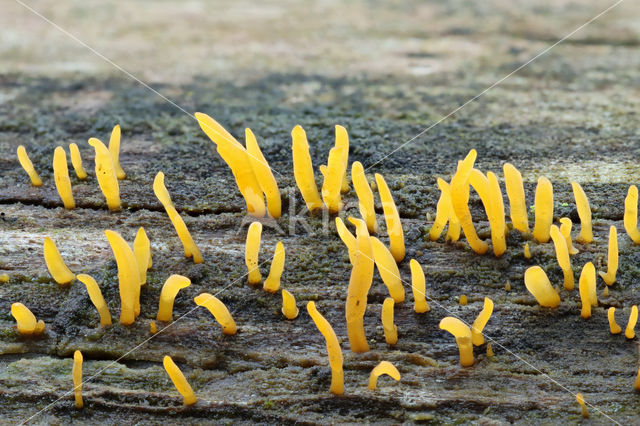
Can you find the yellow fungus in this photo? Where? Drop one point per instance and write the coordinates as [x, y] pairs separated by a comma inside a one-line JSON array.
[[272, 283], [507, 286], [333, 181], [517, 201], [333, 349], [303, 169], [613, 325], [365, 197], [170, 290], [462, 333], [587, 286], [605, 292], [142, 252], [443, 210], [392, 219], [418, 287], [543, 210], [342, 142], [562, 254], [153, 327], [490, 353], [61, 177], [289, 308], [636, 385], [584, 212], [630, 331], [179, 381], [76, 161], [480, 321], [219, 312], [4, 278], [56, 266], [25, 320], [565, 230], [323, 170], [96, 298], [580, 400], [612, 261], [27, 165], [527, 251], [106, 174], [540, 287], [388, 269], [631, 214], [463, 300], [128, 277], [496, 218], [390, 329], [263, 174], [385, 367], [114, 150], [347, 238], [252, 249], [77, 378]]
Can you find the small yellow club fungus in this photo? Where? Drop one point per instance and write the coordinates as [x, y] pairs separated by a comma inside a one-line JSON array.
[[96, 298], [272, 283], [76, 161], [543, 210], [114, 150], [56, 266], [153, 327], [347, 238], [636, 385], [106, 174], [613, 325], [179, 381], [365, 196], [490, 352], [517, 201], [418, 287], [219, 312], [462, 333], [540, 287], [388, 270], [527, 251], [4, 278], [333, 349], [289, 308], [480, 321], [77, 378], [631, 214], [496, 218], [252, 248], [562, 254], [170, 290], [392, 219], [142, 252], [444, 212], [390, 329], [332, 183], [385, 367], [27, 165], [584, 212], [612, 263], [26, 322], [61, 177], [263, 174], [342, 142], [587, 286], [128, 277], [565, 230], [630, 331], [463, 300], [303, 169], [583, 406]]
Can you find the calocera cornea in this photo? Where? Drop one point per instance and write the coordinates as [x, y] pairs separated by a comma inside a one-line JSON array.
[[303, 169], [56, 266], [289, 308], [114, 150], [463, 300], [481, 320], [584, 212], [462, 333], [613, 325], [583, 406], [540, 287], [153, 327], [332, 183], [26, 322], [562, 254], [179, 381], [388, 269], [342, 142], [517, 201], [251, 251], [27, 165], [333, 349], [587, 286], [170, 290], [444, 213], [631, 214], [76, 372], [106, 174], [629, 331], [612, 257], [272, 283], [366, 203], [385, 367], [496, 219], [76, 161], [418, 287], [527, 251], [390, 329], [219, 312], [128, 277], [61, 178], [543, 210], [96, 298], [347, 238], [392, 219], [264, 175], [142, 252], [565, 230]]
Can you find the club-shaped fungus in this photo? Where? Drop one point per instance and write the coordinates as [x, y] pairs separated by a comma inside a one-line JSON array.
[[153, 327], [289, 308], [128, 277], [76, 161], [517, 201], [385, 367], [480, 321], [4, 278], [27, 165], [106, 174], [252, 248], [142, 252], [496, 218], [580, 400], [332, 183], [418, 287], [490, 353], [443, 210], [56, 266], [612, 261], [584, 212], [263, 174], [347, 238], [462, 333], [392, 219], [388, 270], [333, 349], [636, 385], [114, 150], [237, 158], [587, 287], [26, 322], [170, 290], [303, 169], [179, 381], [390, 329], [342, 142], [565, 230], [527, 251], [61, 177], [562, 254], [463, 300], [543, 210], [365, 196], [96, 298], [76, 372], [219, 312], [631, 214], [272, 283], [629, 331], [613, 325], [540, 287]]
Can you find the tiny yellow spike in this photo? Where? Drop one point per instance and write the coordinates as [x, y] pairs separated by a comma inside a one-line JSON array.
[[443, 210], [565, 230], [170, 290], [527, 251], [333, 181], [631, 214], [584, 212], [96, 298], [252, 248], [153, 327], [562, 254], [4, 278], [289, 308], [480, 322], [128, 277], [580, 400], [142, 251], [342, 141], [347, 238], [388, 270], [56, 266], [390, 329], [272, 283], [418, 286], [587, 287], [490, 353], [462, 333], [106, 174], [114, 150], [76, 161], [303, 169], [463, 300], [179, 381], [517, 201], [613, 325], [392, 219], [543, 210], [365, 197], [333, 349], [77, 378], [612, 263], [630, 331], [385, 367], [61, 177], [263, 174], [25, 320], [27, 165], [540, 287], [219, 312]]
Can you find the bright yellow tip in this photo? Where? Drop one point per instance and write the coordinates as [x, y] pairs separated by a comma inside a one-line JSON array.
[[612, 263], [4, 278], [540, 287], [630, 332], [170, 290], [160, 190], [584, 212], [96, 298], [543, 210], [580, 400], [56, 266], [289, 308], [26, 322], [527, 251], [390, 329], [613, 325], [490, 353], [342, 142], [388, 270], [418, 287], [128, 277], [333, 181], [219, 312], [462, 333], [565, 230], [77, 378], [153, 327], [587, 287], [272, 283], [562, 254], [263, 174], [252, 248], [142, 252], [106, 174], [463, 300], [333, 349], [631, 214], [392, 219], [385, 367], [179, 381], [76, 161], [114, 150], [365, 197], [517, 202], [27, 165], [303, 169], [444, 214], [347, 238], [61, 177], [481, 320]]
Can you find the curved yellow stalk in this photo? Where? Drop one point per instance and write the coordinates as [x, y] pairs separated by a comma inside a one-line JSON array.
[[77, 378], [347, 238], [390, 329], [385, 367], [333, 349], [272, 283], [142, 252], [252, 248], [179, 381], [587, 286], [462, 333], [584, 212], [219, 312], [498, 225], [96, 298], [303, 169], [613, 325], [565, 230], [114, 150], [160, 190], [25, 320], [630, 331], [289, 308], [27, 165], [443, 210], [388, 270], [540, 287], [562, 254], [342, 142], [612, 261], [128, 277], [365, 196], [631, 214], [580, 400], [170, 290], [61, 177], [543, 210], [56, 266], [76, 161], [392, 219], [418, 287], [517, 201], [263, 174], [527, 251], [481, 320], [106, 174], [333, 180]]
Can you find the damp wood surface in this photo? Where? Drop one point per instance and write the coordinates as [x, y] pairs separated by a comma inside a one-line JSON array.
[[385, 72]]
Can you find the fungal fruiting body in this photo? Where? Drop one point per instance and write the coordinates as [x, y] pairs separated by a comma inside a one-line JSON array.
[[332, 182], [540, 287], [347, 238], [342, 142], [142, 252], [61, 177], [219, 312], [630, 331], [562, 254], [4, 278], [365, 197], [612, 263], [463, 300], [106, 174], [388, 269], [77, 378], [462, 333], [76, 161], [480, 321], [565, 230], [333, 349], [496, 216], [587, 286], [636, 385], [385, 367], [443, 210], [114, 150], [584, 212], [390, 329], [289, 308], [128, 277], [153, 327], [179, 381], [303, 169], [56, 266], [517, 201], [272, 283], [392, 219], [418, 287], [252, 248], [96, 298], [263, 174], [170, 290], [26, 322], [543, 210], [27, 165], [631, 214], [527, 251], [613, 325], [580, 400]]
